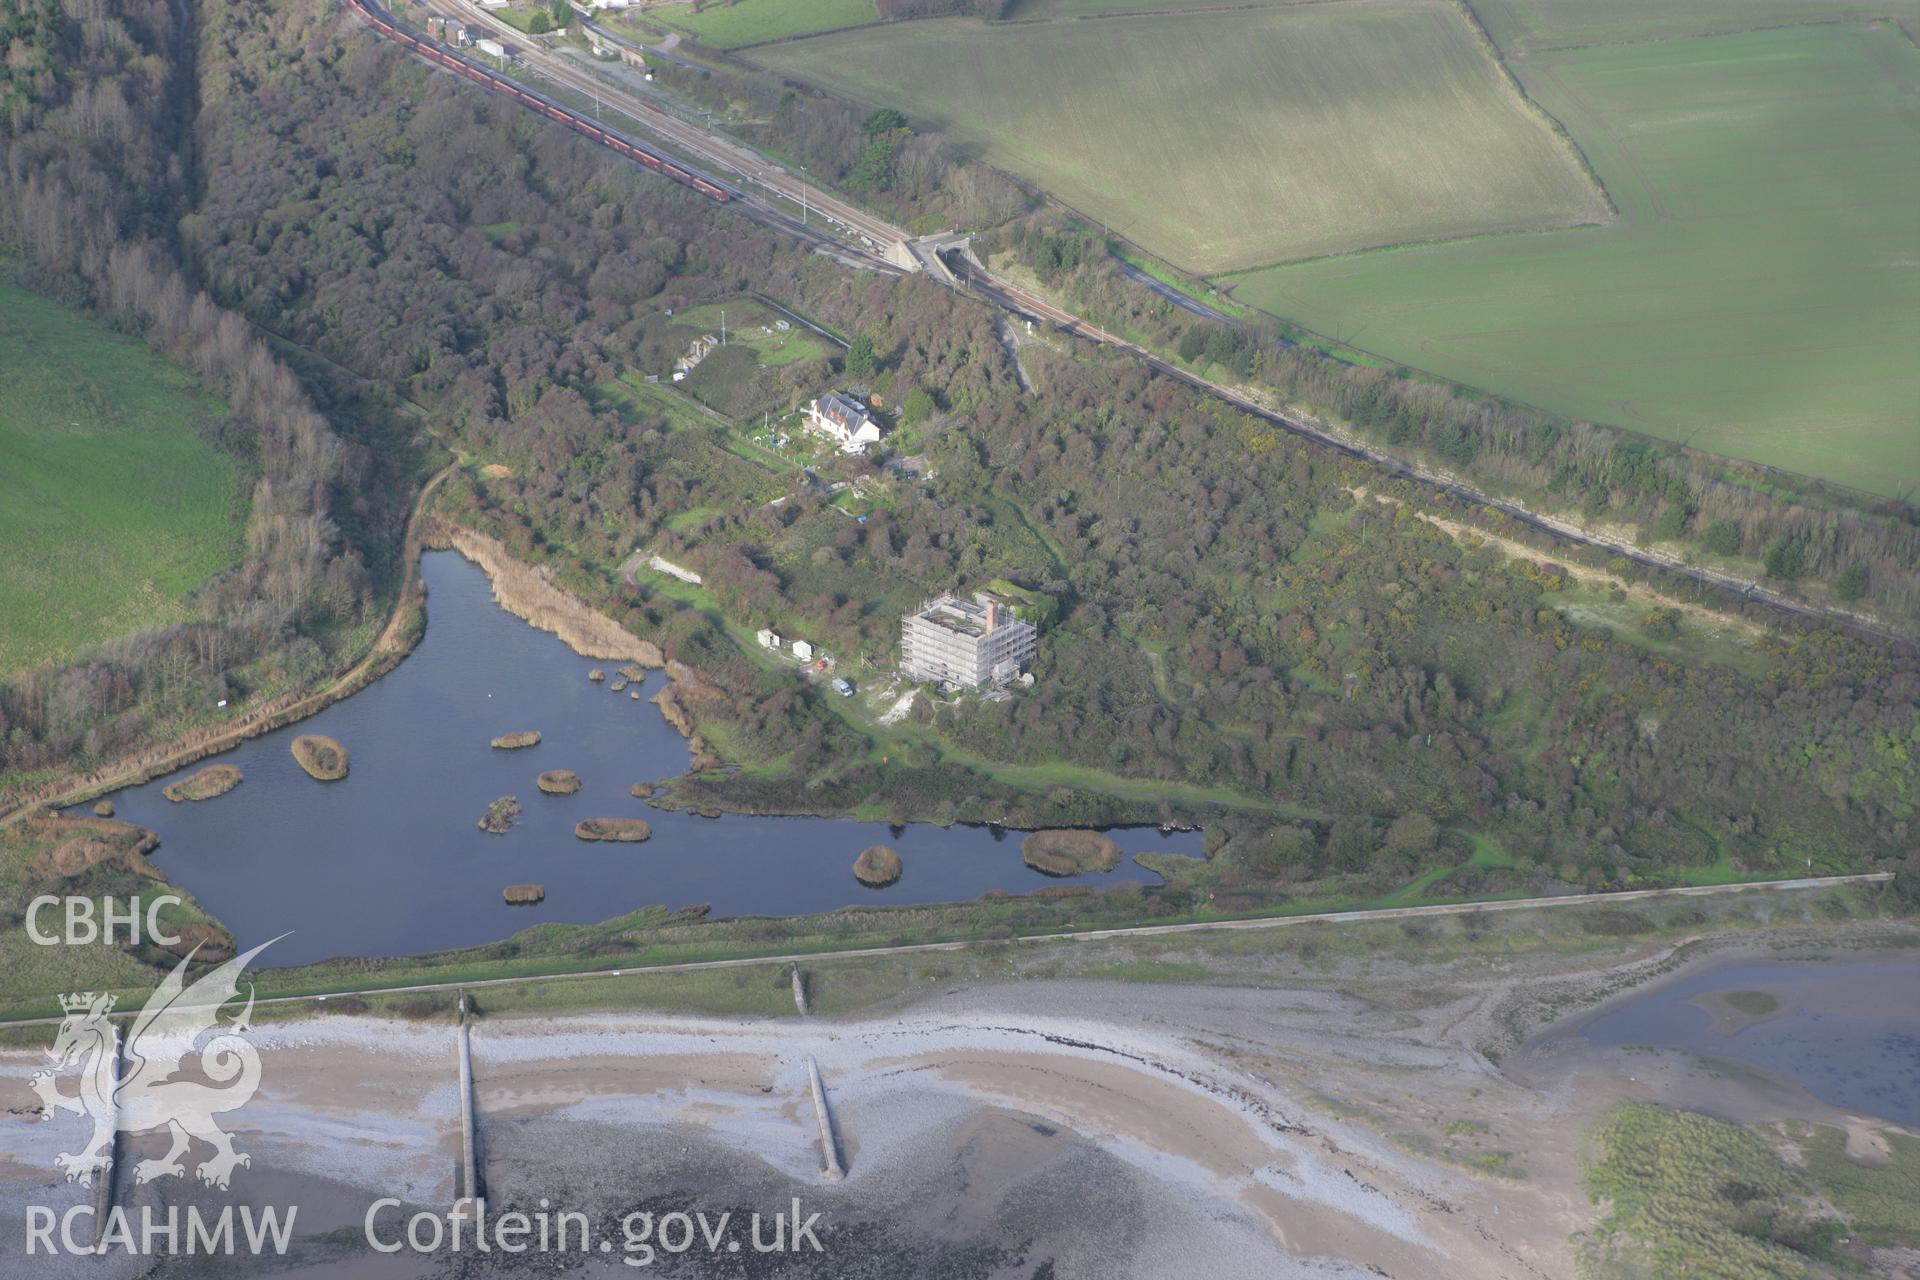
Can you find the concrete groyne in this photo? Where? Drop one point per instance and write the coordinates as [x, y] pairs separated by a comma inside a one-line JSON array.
[[829, 1144], [467, 1194], [103, 1178]]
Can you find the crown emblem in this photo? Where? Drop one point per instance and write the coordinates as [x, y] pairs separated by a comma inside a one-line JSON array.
[[145, 1090]]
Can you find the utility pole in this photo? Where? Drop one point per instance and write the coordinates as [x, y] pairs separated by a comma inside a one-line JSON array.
[[803, 195], [723, 326]]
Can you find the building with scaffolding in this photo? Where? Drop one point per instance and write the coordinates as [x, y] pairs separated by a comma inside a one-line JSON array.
[[969, 644]]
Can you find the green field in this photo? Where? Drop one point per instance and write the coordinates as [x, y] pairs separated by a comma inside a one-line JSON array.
[[1021, 10], [1526, 26], [522, 18], [729, 26], [112, 507], [1758, 296], [1226, 140]]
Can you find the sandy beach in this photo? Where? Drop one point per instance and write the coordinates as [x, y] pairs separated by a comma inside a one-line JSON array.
[[1088, 1128], [977, 1140]]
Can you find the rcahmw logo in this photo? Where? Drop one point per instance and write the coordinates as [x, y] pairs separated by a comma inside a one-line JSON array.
[[161, 1231], [144, 1094]]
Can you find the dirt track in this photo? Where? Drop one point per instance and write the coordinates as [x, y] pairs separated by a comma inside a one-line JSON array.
[[1132, 931]]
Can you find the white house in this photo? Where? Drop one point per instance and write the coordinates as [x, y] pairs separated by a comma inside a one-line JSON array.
[[844, 420], [803, 651], [768, 639]]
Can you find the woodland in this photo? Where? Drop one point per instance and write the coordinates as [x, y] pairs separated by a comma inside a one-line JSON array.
[[380, 269]]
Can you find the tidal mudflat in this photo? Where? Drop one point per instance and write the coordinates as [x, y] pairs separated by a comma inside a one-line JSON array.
[[1845, 1031]]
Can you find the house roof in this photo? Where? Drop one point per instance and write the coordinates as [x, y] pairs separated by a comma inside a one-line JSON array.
[[843, 412]]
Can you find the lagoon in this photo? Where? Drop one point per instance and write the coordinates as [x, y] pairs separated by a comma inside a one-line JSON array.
[[389, 860]]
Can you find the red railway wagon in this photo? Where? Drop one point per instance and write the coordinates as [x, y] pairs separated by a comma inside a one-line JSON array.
[[635, 153], [580, 124]]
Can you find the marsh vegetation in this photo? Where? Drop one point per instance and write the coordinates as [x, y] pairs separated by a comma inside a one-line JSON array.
[[500, 815], [877, 866], [214, 780], [320, 756], [1068, 853], [619, 830]]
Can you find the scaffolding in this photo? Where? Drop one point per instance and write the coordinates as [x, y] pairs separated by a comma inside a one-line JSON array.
[[966, 643]]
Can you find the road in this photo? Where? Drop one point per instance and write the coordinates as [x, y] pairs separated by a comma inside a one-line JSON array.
[[669, 41], [1192, 306], [730, 156], [1089, 935]]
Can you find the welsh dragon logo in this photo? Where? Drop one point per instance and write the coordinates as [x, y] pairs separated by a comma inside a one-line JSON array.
[[144, 1094]]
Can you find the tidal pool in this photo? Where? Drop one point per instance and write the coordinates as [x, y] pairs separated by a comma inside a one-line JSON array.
[[1846, 1031]]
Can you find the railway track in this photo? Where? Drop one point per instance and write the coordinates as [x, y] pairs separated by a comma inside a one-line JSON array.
[[747, 166], [722, 154], [714, 186], [1018, 301], [430, 50]]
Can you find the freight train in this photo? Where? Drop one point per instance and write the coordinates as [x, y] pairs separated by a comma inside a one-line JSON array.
[[537, 102]]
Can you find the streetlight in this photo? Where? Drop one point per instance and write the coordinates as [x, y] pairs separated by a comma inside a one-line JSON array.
[[803, 195]]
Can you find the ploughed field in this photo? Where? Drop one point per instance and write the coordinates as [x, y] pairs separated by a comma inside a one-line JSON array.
[[113, 506], [1225, 140], [1757, 296]]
